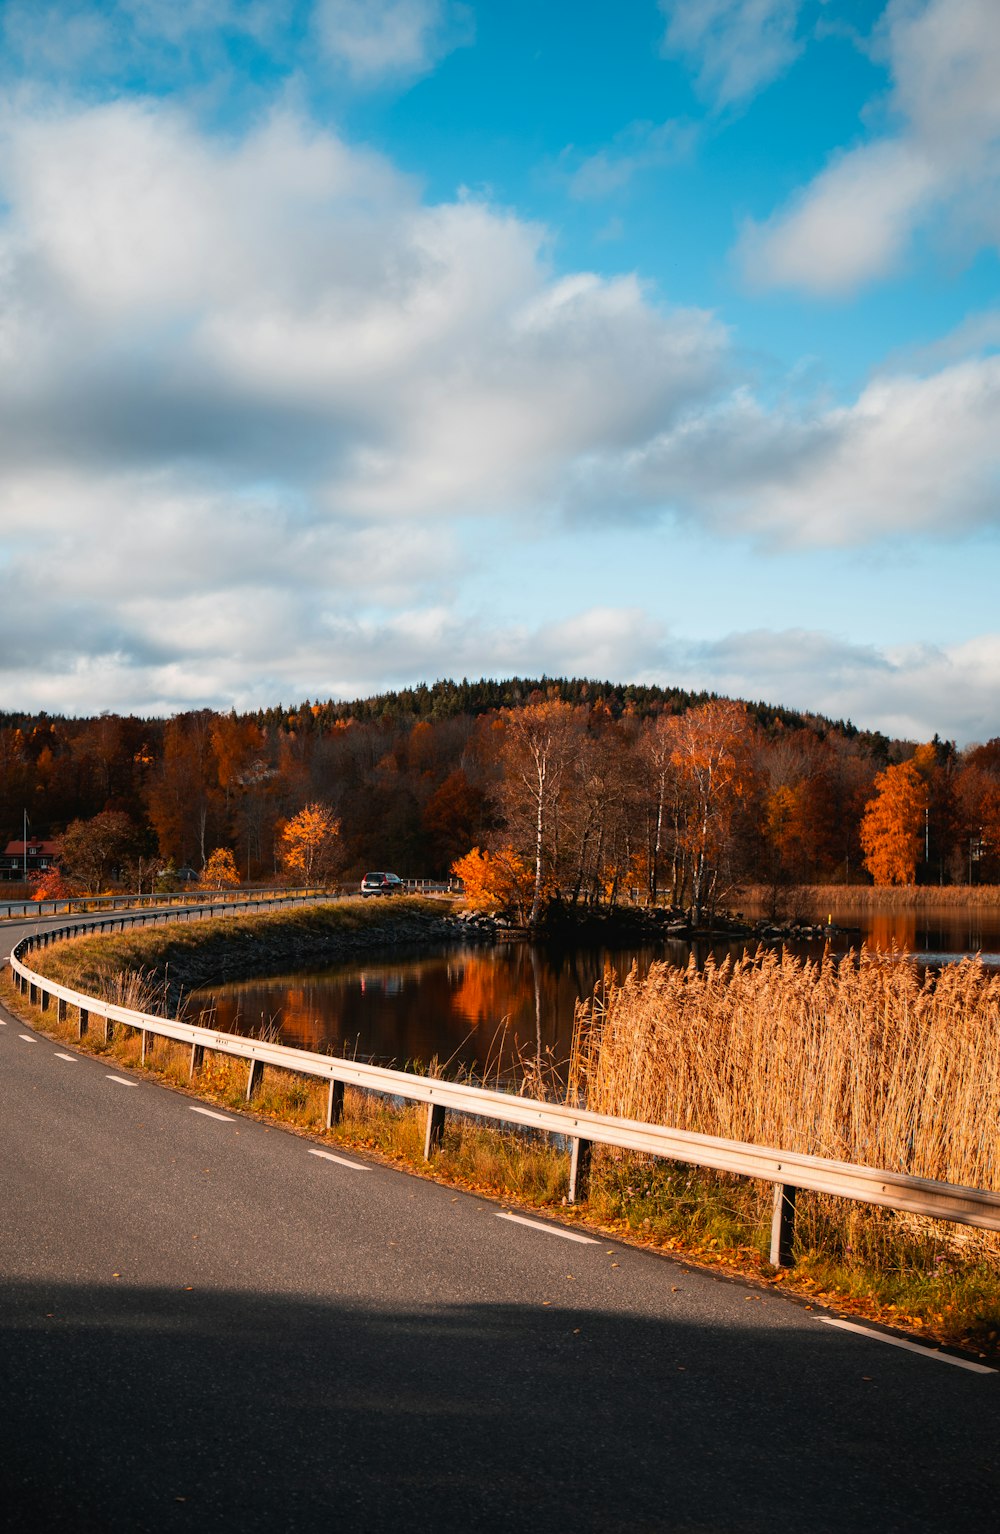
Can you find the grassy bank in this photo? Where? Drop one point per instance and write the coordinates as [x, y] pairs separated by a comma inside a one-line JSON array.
[[177, 957], [833, 1060]]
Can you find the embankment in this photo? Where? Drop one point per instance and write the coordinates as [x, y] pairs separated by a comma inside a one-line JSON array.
[[174, 959]]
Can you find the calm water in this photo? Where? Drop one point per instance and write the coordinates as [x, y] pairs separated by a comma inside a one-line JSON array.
[[480, 1007]]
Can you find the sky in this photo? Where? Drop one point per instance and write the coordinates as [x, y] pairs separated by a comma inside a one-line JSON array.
[[348, 344]]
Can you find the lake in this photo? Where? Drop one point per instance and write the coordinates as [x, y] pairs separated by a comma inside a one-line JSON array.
[[479, 1007]]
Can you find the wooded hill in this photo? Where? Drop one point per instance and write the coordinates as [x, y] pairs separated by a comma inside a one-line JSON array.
[[641, 787]]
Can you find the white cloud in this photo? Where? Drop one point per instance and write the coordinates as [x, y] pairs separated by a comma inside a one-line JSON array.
[[912, 456], [851, 224], [376, 39], [908, 691], [640, 147], [855, 221], [739, 46], [254, 390], [283, 304], [80, 37]]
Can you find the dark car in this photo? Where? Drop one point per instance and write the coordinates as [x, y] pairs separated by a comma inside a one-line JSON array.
[[381, 884]]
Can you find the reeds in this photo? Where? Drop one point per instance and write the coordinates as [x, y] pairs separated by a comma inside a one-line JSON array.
[[819, 899], [859, 1058]]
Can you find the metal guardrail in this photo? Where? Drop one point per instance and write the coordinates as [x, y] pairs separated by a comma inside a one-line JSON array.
[[11, 910], [67, 904], [786, 1170]]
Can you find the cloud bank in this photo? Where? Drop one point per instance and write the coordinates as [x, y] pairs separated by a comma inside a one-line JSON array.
[[937, 161], [254, 387]]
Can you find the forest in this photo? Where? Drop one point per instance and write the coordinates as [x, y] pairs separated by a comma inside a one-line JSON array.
[[540, 792]]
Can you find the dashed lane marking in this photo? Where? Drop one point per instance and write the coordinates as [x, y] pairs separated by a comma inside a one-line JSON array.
[[549, 1230], [70, 1058], [222, 1117], [122, 1081], [27, 1038], [355, 1166], [910, 1347]]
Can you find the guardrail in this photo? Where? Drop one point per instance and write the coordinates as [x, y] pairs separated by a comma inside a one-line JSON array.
[[786, 1170], [67, 904]]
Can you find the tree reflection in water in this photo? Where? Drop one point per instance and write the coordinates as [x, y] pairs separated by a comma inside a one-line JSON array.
[[484, 1010]]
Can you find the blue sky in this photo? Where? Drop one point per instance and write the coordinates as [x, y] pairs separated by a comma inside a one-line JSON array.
[[353, 343]]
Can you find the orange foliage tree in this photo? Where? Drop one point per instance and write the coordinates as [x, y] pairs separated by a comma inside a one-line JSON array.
[[450, 818], [220, 870], [497, 881], [710, 756], [308, 844], [48, 885], [893, 824]]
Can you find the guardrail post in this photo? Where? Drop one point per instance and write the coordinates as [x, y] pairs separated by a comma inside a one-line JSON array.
[[335, 1103], [197, 1059], [45, 1001], [580, 1155], [32, 994], [435, 1129], [253, 1077], [83, 1022], [107, 1029], [60, 1010], [143, 1047], [782, 1225]]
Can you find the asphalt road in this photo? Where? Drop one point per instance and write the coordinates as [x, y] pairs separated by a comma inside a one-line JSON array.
[[208, 1326]]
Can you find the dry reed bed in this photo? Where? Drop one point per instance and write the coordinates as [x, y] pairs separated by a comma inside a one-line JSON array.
[[845, 898], [859, 1059]]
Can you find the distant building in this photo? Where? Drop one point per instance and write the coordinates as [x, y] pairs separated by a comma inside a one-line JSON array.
[[40, 855]]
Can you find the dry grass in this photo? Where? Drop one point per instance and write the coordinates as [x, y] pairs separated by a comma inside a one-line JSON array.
[[860, 1060], [818, 899]]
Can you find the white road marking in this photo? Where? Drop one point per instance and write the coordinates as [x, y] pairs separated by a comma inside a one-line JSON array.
[[911, 1347], [122, 1082], [549, 1230], [355, 1166], [27, 1038], [3, 1022], [70, 1058], [222, 1117]]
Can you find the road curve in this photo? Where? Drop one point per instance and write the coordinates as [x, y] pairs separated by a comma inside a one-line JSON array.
[[207, 1325]]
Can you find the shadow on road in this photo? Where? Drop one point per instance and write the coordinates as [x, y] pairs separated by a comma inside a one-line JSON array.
[[132, 1409]]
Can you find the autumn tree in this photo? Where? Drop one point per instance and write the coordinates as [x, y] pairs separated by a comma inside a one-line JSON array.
[[308, 844], [96, 851], [537, 751], [220, 870], [451, 818], [892, 827], [185, 803], [496, 881], [49, 884], [711, 758], [600, 823], [655, 752]]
